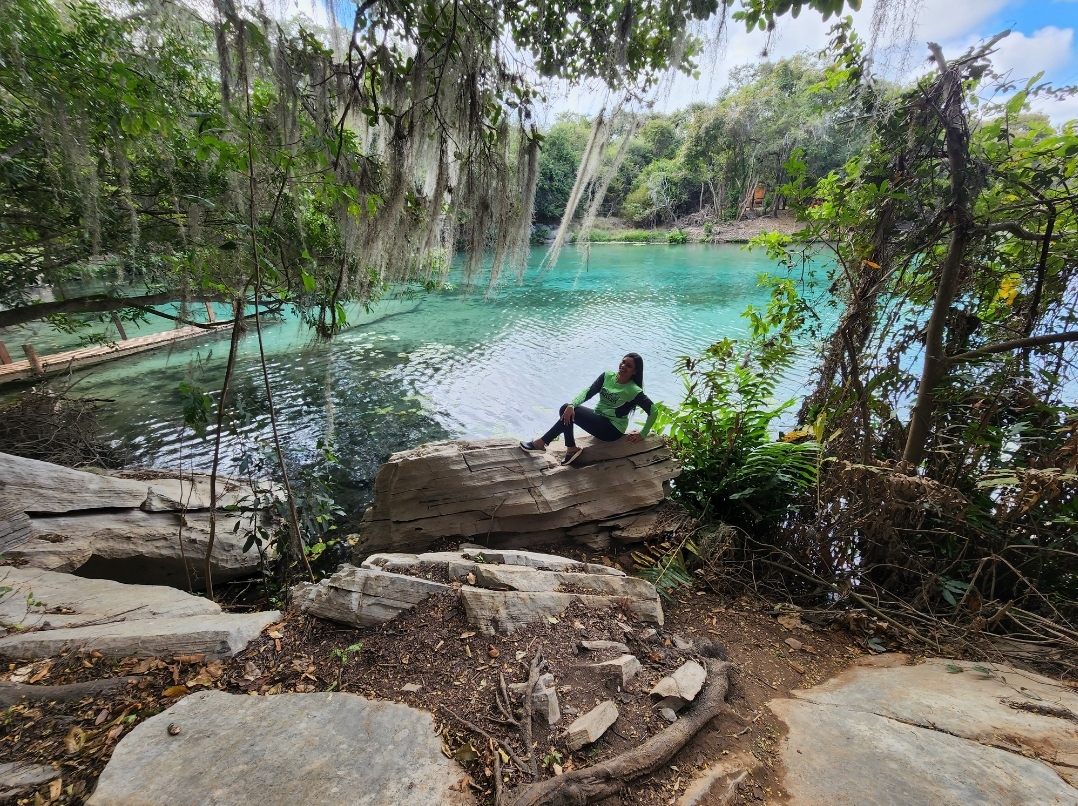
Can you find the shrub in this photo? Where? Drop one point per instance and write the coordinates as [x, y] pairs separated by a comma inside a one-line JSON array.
[[540, 233], [677, 236], [709, 229], [733, 470]]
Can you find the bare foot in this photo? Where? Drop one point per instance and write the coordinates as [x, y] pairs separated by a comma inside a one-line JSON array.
[[538, 443]]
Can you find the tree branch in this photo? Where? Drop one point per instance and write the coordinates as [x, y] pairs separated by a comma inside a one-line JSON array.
[[1017, 344], [92, 303]]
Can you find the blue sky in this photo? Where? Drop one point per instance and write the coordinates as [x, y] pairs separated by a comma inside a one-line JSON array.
[[1043, 38]]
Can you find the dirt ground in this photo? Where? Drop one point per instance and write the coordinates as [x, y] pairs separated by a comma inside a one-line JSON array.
[[453, 672]]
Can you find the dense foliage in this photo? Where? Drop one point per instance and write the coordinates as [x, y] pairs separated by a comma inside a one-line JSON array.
[[944, 418], [710, 157]]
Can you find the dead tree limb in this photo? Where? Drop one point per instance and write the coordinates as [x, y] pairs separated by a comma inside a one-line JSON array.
[[591, 784]]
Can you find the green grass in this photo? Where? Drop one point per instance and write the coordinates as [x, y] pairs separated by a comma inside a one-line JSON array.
[[626, 236]]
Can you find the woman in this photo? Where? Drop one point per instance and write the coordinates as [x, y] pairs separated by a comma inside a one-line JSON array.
[[619, 393]]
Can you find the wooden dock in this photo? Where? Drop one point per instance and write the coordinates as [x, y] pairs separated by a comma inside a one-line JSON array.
[[87, 356]]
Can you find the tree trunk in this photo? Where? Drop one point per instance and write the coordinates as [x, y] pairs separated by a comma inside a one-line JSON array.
[[956, 137], [237, 329]]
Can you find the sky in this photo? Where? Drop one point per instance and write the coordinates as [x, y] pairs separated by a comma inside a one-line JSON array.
[[1042, 39]]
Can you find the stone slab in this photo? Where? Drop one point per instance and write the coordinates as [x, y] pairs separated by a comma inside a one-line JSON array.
[[139, 547], [36, 486], [602, 646], [843, 757], [969, 704], [288, 750], [63, 600], [16, 777], [507, 611], [533, 580], [618, 671], [218, 636], [592, 725], [363, 597]]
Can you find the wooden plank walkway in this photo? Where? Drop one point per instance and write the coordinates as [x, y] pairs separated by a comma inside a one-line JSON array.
[[87, 356]]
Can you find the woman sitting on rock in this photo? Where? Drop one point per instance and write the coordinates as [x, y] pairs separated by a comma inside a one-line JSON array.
[[619, 393]]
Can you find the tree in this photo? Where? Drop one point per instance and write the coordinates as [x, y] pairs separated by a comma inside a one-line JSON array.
[[563, 146]]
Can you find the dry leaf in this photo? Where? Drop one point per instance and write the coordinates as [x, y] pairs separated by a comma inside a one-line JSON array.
[[251, 672], [466, 753], [493, 651], [175, 691], [74, 740], [42, 673], [114, 734], [95, 654], [276, 635], [55, 787], [190, 659], [467, 634], [791, 621], [102, 716]]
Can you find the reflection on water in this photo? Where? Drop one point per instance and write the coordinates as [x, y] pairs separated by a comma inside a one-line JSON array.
[[440, 365]]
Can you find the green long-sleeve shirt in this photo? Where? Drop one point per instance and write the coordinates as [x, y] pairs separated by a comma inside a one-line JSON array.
[[617, 400]]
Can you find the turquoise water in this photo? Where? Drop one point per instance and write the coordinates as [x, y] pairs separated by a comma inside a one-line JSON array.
[[441, 365]]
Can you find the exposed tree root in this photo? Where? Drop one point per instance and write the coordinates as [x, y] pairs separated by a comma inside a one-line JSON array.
[[591, 784]]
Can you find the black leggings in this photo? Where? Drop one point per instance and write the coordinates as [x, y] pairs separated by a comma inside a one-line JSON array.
[[595, 424]]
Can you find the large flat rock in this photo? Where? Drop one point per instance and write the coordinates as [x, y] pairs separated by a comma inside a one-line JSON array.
[[493, 491], [218, 636], [62, 600], [840, 757], [919, 736], [289, 750], [1005, 708]]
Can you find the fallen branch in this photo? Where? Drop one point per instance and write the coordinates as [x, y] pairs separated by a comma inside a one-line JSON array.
[[591, 784], [16, 693]]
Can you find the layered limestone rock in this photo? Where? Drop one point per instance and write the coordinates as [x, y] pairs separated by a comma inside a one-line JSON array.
[[497, 597], [492, 492], [44, 613], [143, 529]]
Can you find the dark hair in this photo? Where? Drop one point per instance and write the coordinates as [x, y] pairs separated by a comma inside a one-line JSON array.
[[638, 364]]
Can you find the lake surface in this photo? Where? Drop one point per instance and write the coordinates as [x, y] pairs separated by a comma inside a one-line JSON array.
[[441, 365]]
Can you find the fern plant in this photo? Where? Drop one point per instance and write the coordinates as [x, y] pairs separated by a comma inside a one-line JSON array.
[[724, 433]]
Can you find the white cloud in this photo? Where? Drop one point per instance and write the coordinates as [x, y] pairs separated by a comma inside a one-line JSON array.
[[1059, 111], [949, 19], [1025, 56]]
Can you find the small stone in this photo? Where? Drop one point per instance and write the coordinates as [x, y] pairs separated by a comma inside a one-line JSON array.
[[544, 697], [681, 643], [592, 725], [648, 634], [618, 671], [683, 685], [412, 688], [793, 643], [470, 579], [599, 646], [173, 729], [669, 714]]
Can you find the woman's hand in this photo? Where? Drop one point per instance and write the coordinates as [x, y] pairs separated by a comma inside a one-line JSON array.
[[633, 436], [568, 414]]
